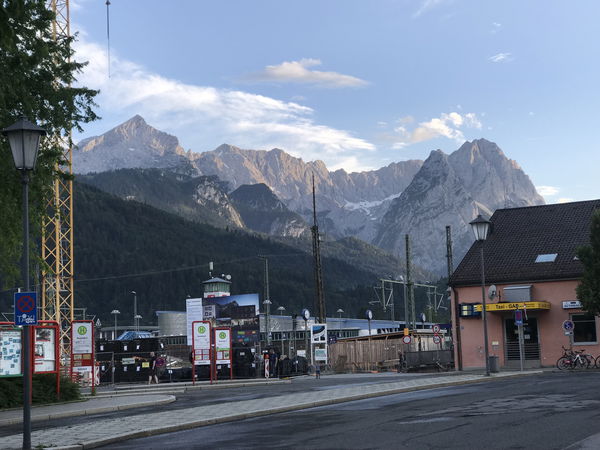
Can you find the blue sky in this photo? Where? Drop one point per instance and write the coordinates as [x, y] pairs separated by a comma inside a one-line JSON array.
[[358, 84]]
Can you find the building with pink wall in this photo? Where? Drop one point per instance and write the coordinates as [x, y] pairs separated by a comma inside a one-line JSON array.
[[530, 258]]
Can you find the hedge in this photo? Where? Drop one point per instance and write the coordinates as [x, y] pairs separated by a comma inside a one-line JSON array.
[[43, 390]]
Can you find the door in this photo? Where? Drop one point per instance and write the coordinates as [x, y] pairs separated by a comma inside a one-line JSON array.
[[531, 344]]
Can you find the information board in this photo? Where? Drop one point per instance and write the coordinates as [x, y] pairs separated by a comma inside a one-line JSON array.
[[223, 345], [82, 337], [10, 349], [45, 350], [193, 313], [201, 342]]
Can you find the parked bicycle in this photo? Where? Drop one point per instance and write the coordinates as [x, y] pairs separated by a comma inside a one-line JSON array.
[[574, 359]]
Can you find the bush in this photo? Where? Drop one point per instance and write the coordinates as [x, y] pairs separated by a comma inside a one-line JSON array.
[[43, 390]]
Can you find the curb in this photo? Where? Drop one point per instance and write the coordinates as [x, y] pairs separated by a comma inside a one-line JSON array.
[[90, 411], [270, 411]]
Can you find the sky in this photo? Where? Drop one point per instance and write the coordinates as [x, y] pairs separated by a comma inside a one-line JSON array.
[[357, 84]]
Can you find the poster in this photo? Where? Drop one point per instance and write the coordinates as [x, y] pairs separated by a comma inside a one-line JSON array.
[[201, 343], [238, 312], [193, 312], [223, 345], [10, 351], [318, 333], [82, 338], [320, 354], [44, 350]]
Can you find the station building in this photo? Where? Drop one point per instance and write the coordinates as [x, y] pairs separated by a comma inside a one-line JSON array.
[[530, 258]]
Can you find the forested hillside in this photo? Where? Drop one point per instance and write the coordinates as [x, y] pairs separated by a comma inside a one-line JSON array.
[[122, 246]]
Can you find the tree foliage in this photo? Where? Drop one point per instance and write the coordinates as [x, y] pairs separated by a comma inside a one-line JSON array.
[[36, 80], [588, 292]]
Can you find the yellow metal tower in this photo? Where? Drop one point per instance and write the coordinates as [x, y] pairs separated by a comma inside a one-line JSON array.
[[57, 230]]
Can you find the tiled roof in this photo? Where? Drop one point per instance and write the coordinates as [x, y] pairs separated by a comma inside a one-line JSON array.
[[519, 235]]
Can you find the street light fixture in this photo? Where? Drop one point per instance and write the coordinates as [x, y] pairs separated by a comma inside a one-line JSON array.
[[115, 312], [340, 311], [135, 312], [481, 228], [24, 140]]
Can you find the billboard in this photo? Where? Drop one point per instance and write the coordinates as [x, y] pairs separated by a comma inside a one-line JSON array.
[[318, 333], [44, 350], [239, 312], [193, 312]]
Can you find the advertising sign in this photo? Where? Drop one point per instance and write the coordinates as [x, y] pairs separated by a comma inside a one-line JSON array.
[[321, 354], [318, 333], [82, 337], [44, 350], [238, 312], [10, 353], [223, 345], [193, 312], [201, 342]]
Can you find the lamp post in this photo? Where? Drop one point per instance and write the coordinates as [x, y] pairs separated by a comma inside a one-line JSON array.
[[24, 140], [308, 351], [135, 313], [115, 312], [340, 311], [137, 322], [369, 316], [481, 229], [268, 304], [280, 311]]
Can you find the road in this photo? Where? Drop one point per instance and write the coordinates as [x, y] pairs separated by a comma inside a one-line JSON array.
[[547, 411]]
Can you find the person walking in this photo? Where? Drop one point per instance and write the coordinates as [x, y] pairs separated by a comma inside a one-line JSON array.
[[153, 369]]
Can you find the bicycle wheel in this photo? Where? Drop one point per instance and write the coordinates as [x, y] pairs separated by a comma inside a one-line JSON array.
[[597, 362], [580, 363], [563, 363]]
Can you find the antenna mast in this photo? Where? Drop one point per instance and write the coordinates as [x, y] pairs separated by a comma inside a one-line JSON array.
[[319, 300]]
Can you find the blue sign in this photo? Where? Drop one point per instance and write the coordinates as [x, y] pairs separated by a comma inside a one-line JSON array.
[[568, 325], [26, 308], [518, 317]]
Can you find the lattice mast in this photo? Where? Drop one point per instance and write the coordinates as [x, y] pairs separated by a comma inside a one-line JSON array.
[[57, 227], [319, 299]]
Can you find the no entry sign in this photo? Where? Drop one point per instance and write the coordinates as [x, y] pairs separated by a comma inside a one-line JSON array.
[[26, 308]]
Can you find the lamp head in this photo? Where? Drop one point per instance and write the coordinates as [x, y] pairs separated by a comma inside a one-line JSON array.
[[24, 139]]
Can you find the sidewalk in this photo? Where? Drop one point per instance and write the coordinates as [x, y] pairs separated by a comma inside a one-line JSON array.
[[82, 436]]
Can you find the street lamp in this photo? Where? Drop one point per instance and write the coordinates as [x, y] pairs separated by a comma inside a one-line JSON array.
[[340, 311], [115, 312], [268, 304], [24, 140], [137, 322], [135, 313], [281, 310], [481, 228]]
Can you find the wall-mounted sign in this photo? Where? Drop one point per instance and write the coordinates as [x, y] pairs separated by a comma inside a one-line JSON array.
[[571, 304], [10, 353], [513, 306]]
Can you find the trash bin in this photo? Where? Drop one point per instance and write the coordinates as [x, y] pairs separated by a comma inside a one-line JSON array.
[[493, 360]]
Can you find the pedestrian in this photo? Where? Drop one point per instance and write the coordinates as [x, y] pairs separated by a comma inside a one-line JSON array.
[[153, 374], [318, 371]]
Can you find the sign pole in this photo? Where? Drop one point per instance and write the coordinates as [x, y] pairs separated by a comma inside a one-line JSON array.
[[519, 323]]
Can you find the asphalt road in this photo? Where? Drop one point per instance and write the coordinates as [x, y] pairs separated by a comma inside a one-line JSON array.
[[548, 411], [211, 396]]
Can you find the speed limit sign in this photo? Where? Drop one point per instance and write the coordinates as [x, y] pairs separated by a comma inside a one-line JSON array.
[[406, 339]]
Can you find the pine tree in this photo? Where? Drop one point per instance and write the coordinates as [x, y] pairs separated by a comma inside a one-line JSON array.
[[36, 78], [588, 292]]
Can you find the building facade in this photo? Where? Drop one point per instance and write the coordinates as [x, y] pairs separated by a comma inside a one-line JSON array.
[[531, 275]]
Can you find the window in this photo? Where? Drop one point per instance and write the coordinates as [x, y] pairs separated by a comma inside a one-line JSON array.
[[548, 257], [585, 329]]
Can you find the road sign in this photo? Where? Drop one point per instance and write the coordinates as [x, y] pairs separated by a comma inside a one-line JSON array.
[[436, 328], [437, 339], [568, 325], [406, 339], [26, 308], [518, 317]]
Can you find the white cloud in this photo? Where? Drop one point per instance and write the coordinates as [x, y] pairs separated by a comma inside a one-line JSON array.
[[501, 57], [426, 6], [448, 125], [298, 72], [204, 116], [565, 200], [496, 27], [547, 191]]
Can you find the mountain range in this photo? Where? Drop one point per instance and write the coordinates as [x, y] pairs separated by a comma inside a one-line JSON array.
[[271, 191]]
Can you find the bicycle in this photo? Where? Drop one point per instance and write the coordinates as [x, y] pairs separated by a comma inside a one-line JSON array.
[[573, 359]]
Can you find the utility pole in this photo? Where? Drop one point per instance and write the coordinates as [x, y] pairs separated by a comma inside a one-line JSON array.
[[455, 313], [267, 300], [410, 287], [319, 299], [449, 251]]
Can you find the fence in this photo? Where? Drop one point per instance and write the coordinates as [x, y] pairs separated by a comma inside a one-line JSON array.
[[385, 354]]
